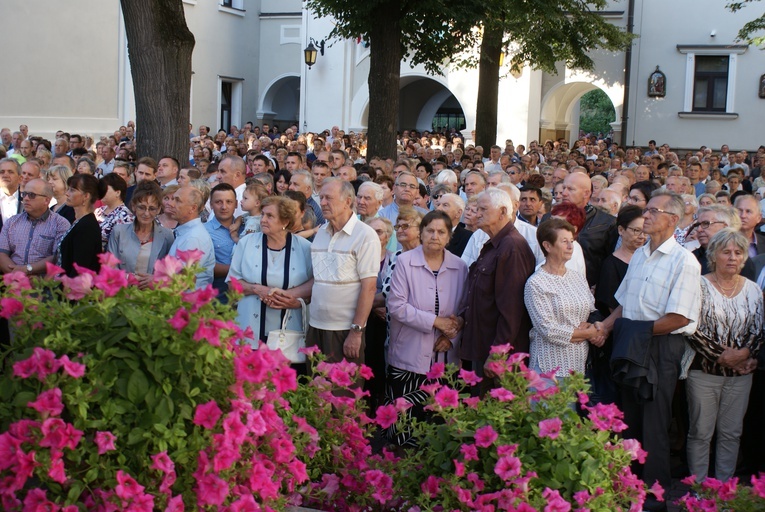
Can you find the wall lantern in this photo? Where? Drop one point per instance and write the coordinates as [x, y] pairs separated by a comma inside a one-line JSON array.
[[312, 51]]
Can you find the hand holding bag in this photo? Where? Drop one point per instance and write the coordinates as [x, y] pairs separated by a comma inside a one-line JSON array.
[[289, 341]]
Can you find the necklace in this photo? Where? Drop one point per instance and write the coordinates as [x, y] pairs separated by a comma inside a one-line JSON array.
[[147, 239], [725, 291]]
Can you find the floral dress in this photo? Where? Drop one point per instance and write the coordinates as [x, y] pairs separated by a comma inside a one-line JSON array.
[[120, 215]]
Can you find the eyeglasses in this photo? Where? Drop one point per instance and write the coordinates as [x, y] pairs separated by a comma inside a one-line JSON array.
[[143, 208], [402, 227], [705, 224], [437, 197], [636, 231], [653, 211], [31, 195], [410, 185]]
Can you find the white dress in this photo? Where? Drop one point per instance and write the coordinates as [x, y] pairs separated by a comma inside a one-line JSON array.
[[557, 305], [247, 265]]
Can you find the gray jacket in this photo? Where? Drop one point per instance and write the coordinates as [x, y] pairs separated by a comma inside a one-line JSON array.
[[124, 244]]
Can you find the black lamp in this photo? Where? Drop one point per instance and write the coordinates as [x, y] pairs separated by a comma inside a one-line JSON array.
[[311, 51]]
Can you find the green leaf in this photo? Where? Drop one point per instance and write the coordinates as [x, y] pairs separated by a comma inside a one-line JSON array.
[[23, 398], [137, 387]]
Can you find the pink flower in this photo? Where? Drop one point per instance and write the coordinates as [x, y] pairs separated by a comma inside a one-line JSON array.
[[506, 449], [74, 370], [447, 397], [502, 394], [77, 287], [402, 404], [17, 281], [108, 259], [430, 486], [555, 502], [9, 448], [190, 257], [54, 434], [179, 320], [508, 467], [637, 453], [207, 332], [245, 504], [366, 372], [550, 428], [469, 452], [607, 417], [436, 371], [582, 497], [658, 491], [470, 377], [161, 462], [10, 307], [284, 379], [235, 285], [459, 468], [211, 490], [110, 280], [52, 270], [249, 366], [386, 416], [207, 415], [340, 377], [758, 485], [37, 499], [501, 349], [471, 401], [105, 442], [485, 436], [56, 472], [175, 504], [199, 298], [48, 403], [166, 268], [127, 488]]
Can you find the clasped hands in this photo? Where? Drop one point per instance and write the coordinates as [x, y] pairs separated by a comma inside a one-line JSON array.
[[280, 299], [449, 326], [596, 333], [738, 360]]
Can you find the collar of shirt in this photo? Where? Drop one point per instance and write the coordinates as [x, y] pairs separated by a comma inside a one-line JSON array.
[[187, 227], [347, 228], [509, 227], [665, 248], [41, 218]]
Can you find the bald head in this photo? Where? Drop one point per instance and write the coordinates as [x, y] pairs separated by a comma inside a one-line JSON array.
[[610, 201], [577, 189]]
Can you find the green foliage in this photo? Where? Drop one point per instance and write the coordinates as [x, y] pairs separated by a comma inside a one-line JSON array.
[[143, 381], [749, 30], [596, 112]]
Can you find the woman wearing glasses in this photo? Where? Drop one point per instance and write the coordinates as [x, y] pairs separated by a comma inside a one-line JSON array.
[[139, 244]]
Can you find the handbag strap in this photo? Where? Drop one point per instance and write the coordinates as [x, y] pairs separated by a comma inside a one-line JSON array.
[[304, 310]]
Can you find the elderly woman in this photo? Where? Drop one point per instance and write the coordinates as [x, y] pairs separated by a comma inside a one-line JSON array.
[[706, 200], [113, 190], [427, 297], [57, 177], [271, 265], [689, 216], [407, 231], [82, 243], [726, 342], [85, 166], [559, 303], [165, 219], [140, 244], [576, 217], [377, 325]]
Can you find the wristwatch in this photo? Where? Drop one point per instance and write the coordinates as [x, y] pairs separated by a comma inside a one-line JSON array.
[[356, 328], [29, 268]]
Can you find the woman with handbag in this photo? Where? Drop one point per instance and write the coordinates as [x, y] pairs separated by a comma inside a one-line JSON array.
[[274, 269]]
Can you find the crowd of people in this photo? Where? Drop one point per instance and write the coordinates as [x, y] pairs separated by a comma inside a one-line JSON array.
[[640, 267]]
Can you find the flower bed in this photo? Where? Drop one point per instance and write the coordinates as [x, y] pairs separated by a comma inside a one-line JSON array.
[[129, 399]]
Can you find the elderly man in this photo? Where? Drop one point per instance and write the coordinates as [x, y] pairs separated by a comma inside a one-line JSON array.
[[346, 260], [10, 196], [517, 175], [598, 235], [30, 170], [454, 206], [475, 183], [369, 200], [662, 286], [107, 166], [29, 239], [750, 214], [610, 201], [233, 171], [710, 220], [405, 191], [497, 177], [302, 181], [191, 234], [495, 313]]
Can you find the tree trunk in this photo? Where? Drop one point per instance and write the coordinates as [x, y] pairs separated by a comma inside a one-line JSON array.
[[384, 82], [488, 88], [160, 45]]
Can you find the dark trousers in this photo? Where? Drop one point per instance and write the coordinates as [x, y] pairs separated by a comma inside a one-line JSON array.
[[331, 344], [649, 422]]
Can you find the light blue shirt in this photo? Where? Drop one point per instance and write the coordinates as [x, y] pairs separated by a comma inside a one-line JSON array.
[[224, 247], [193, 235]]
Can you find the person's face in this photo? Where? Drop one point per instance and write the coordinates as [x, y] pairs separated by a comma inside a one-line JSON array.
[[184, 207], [633, 236], [25, 148], [435, 236], [558, 193], [530, 204], [562, 248], [730, 259], [292, 163], [493, 180], [57, 184], [406, 189], [473, 185], [658, 222], [144, 173], [516, 175], [75, 197], [8, 176], [449, 207], [223, 204], [281, 185], [166, 169], [637, 198], [422, 173], [366, 203], [548, 176], [733, 183], [559, 175], [83, 168], [575, 190], [183, 177], [344, 173], [706, 201], [333, 204], [107, 152], [693, 171], [270, 223], [642, 174], [319, 174], [122, 173], [298, 184], [382, 233], [406, 230], [250, 202], [749, 211], [146, 211], [489, 217], [29, 172], [495, 153], [387, 192], [596, 188], [34, 200]]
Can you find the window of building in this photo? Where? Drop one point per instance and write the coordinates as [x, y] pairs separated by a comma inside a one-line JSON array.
[[229, 102], [710, 83], [233, 4]]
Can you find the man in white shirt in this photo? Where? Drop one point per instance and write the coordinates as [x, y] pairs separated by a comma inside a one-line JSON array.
[[233, 170], [346, 260], [107, 166], [662, 285], [10, 199]]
